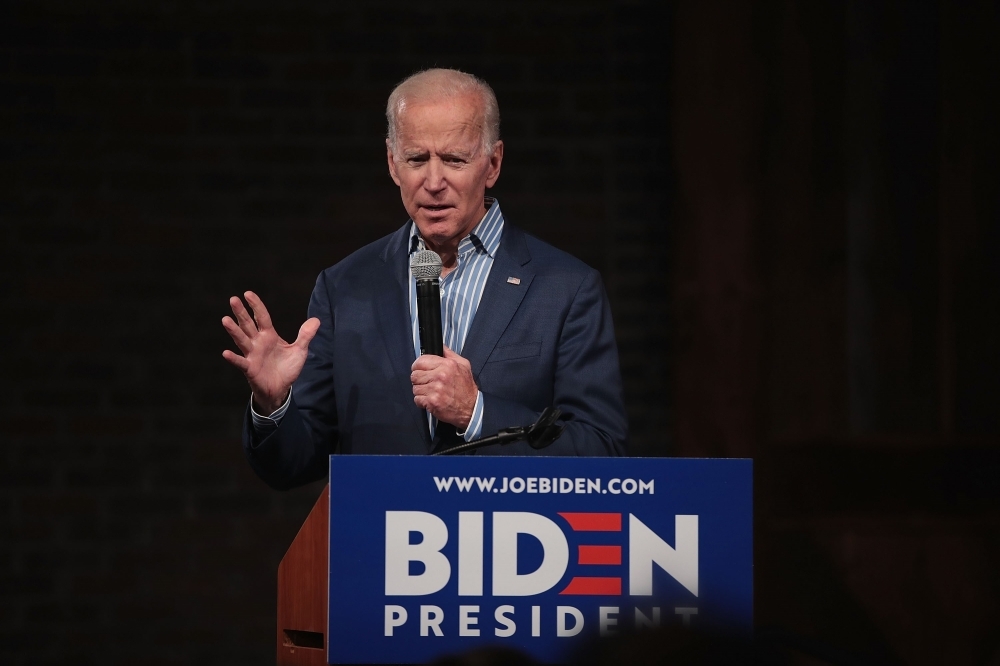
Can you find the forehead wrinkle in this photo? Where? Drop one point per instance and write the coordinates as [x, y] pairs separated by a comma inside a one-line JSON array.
[[461, 139]]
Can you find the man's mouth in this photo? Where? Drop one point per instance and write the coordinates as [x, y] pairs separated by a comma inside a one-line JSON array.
[[437, 207]]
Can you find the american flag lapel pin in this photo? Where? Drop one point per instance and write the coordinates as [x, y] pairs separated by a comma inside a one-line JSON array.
[[513, 280]]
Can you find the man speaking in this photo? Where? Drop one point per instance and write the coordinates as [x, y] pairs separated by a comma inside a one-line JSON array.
[[525, 326]]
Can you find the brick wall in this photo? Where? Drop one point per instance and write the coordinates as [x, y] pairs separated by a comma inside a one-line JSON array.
[[156, 159]]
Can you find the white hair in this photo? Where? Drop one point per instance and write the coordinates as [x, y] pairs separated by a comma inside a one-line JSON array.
[[444, 84]]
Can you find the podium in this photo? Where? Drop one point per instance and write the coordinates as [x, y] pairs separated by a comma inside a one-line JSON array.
[[406, 559], [303, 590]]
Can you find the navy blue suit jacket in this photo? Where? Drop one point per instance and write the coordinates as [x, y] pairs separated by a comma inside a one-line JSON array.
[[546, 341]]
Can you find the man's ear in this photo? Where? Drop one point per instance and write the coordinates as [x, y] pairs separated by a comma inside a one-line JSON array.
[[496, 159], [392, 162]]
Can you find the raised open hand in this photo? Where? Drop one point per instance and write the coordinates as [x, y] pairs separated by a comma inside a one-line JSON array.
[[269, 363]]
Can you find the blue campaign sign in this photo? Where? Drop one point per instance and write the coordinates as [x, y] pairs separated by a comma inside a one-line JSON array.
[[432, 556]]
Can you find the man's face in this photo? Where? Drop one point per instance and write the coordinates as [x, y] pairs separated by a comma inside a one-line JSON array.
[[441, 168]]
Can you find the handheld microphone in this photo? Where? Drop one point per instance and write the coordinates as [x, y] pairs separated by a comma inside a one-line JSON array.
[[426, 268]]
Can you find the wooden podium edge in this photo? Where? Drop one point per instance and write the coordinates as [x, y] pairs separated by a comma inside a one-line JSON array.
[[303, 590]]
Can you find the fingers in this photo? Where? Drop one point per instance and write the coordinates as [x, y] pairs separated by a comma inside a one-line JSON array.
[[237, 334], [307, 332], [420, 377], [444, 386], [434, 369], [430, 367], [236, 360], [427, 362], [428, 399], [430, 386], [432, 379], [243, 318], [260, 313]]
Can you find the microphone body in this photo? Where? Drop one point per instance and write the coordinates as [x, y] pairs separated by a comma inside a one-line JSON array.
[[426, 268], [429, 316]]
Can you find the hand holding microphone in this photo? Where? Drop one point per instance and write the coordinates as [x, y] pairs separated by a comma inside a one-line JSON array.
[[442, 380]]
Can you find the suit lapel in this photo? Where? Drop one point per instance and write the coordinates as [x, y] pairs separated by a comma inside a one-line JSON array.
[[501, 298], [393, 306]]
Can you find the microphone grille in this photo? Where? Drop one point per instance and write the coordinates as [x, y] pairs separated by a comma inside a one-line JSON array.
[[426, 265]]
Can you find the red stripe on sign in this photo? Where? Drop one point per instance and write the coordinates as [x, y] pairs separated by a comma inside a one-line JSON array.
[[600, 555], [594, 522], [594, 585]]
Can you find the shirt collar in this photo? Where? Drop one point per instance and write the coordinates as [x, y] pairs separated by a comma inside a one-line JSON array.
[[485, 237]]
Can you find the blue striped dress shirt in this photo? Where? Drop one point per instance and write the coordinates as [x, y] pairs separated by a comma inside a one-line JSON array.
[[461, 291]]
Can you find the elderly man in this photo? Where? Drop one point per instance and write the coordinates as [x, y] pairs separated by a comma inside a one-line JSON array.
[[525, 325]]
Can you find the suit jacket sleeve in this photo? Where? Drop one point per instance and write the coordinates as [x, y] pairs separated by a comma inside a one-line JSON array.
[[297, 452], [586, 385]]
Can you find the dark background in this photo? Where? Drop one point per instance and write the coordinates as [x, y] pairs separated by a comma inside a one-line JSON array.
[[792, 203]]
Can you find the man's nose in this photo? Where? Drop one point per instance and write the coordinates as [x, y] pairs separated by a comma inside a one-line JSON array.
[[435, 180]]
